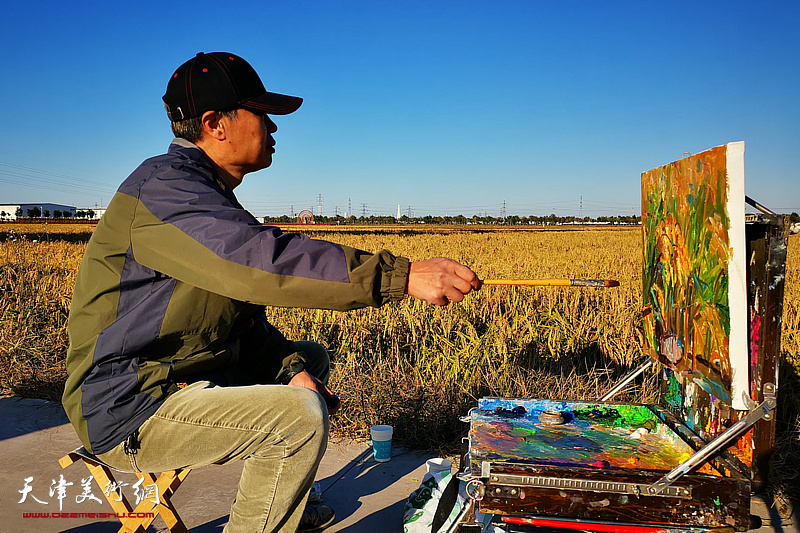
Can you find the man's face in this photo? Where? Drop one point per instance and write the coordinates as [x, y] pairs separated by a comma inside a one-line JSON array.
[[250, 140]]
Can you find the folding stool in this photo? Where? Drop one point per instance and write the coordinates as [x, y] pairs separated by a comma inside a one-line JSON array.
[[135, 519]]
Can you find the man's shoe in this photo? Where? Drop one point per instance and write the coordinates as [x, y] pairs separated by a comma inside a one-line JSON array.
[[316, 518]]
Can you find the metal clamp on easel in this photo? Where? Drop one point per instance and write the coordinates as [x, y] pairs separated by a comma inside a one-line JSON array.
[[723, 440]]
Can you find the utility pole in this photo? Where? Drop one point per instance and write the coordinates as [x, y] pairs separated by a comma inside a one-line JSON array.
[[364, 210]]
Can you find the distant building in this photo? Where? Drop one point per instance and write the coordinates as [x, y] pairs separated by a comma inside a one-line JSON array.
[[49, 211], [40, 210], [97, 211]]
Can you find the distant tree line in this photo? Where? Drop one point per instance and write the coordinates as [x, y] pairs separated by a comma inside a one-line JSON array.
[[512, 220], [36, 212]]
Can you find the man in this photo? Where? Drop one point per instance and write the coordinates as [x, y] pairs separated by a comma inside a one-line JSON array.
[[172, 363]]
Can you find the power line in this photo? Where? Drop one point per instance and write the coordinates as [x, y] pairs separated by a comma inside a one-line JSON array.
[[28, 177]]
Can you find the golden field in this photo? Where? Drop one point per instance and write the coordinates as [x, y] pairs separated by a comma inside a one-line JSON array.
[[415, 366]]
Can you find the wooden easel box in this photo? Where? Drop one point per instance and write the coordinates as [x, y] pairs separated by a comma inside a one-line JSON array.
[[594, 467], [585, 487]]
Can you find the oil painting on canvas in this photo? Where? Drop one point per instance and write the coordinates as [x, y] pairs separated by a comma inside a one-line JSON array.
[[694, 281]]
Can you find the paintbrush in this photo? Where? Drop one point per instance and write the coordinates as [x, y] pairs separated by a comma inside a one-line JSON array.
[[554, 282]]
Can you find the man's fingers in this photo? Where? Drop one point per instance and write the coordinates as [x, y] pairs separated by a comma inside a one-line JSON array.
[[333, 403], [455, 295], [462, 282], [466, 273], [463, 285]]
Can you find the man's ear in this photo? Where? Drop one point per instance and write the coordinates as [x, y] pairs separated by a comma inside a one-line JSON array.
[[213, 126]]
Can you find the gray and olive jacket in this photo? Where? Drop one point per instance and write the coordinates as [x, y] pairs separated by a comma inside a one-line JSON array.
[[175, 269]]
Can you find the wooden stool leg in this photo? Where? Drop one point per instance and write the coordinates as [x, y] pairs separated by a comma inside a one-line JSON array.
[[167, 509], [166, 484]]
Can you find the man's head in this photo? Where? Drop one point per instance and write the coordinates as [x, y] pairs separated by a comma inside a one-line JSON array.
[[218, 102]]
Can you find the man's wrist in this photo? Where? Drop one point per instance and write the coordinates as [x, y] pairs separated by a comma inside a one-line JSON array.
[[291, 372]]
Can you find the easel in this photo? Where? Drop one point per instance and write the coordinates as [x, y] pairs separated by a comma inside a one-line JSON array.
[[766, 236]]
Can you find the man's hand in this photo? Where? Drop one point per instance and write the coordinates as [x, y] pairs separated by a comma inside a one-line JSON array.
[[440, 281], [306, 380]]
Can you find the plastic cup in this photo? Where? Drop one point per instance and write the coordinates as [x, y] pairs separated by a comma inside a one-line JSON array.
[[381, 442], [438, 465]]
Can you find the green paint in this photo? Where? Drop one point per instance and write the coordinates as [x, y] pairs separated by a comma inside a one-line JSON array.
[[522, 433], [672, 397], [628, 416]]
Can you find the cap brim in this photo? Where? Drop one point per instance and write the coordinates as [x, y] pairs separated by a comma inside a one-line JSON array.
[[273, 104]]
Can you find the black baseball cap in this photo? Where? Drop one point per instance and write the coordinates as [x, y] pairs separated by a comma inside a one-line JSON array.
[[220, 81]]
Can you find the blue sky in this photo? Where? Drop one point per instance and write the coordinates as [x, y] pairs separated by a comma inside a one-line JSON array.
[[451, 107]]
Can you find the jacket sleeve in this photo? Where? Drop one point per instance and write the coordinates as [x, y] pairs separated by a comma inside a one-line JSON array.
[[187, 227]]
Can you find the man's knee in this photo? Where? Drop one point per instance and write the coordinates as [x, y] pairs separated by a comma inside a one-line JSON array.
[[313, 405], [306, 423]]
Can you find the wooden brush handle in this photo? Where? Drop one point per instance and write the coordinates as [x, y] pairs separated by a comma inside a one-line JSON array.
[[554, 282]]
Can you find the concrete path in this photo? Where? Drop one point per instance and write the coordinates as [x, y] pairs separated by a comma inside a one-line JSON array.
[[368, 496]]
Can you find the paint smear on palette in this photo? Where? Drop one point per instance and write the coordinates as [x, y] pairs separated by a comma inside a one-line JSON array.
[[694, 278], [605, 436]]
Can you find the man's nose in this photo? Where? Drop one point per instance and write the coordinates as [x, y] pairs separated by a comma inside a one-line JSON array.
[[271, 126]]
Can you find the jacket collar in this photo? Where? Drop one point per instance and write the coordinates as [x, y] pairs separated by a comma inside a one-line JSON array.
[[189, 149], [193, 152]]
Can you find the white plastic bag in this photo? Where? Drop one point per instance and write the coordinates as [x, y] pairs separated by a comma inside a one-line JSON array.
[[422, 503]]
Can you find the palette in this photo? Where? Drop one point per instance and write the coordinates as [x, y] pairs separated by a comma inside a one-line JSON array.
[[604, 436]]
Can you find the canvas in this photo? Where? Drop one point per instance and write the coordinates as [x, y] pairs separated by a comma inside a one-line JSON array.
[[694, 276]]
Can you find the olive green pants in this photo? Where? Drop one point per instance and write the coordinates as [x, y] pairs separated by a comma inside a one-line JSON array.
[[280, 431]]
